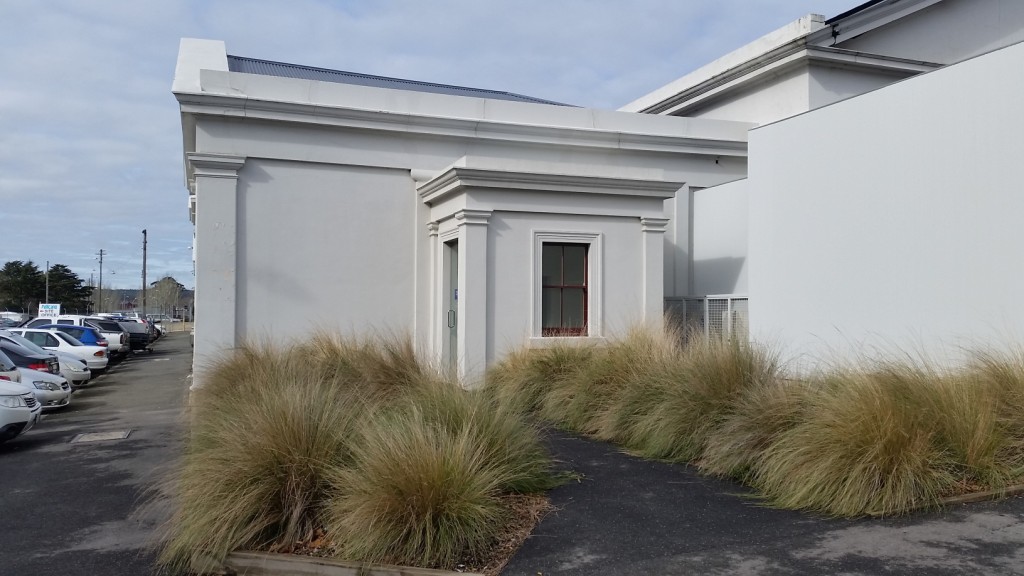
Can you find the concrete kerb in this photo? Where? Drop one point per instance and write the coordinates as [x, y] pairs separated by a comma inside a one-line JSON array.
[[961, 499], [266, 564]]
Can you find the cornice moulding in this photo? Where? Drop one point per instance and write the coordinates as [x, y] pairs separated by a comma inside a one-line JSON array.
[[780, 61], [214, 165], [454, 180], [242, 106]]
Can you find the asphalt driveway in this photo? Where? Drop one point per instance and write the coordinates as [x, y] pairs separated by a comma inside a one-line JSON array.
[[631, 516], [73, 508]]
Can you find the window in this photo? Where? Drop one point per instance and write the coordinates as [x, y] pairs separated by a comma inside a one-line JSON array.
[[564, 289]]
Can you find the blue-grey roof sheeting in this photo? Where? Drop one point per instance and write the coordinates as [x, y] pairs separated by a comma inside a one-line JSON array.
[[280, 69]]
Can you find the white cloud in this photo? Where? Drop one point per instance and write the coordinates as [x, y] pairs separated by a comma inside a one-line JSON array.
[[90, 150]]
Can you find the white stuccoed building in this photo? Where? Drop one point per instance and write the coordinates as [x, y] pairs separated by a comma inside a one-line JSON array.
[[877, 207]]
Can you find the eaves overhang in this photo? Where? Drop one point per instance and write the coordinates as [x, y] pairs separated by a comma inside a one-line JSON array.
[[456, 180], [780, 61]]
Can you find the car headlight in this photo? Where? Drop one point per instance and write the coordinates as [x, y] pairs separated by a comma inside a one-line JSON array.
[[42, 385], [12, 402]]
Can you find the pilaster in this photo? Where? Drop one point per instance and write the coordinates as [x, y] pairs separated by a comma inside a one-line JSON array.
[[215, 182], [472, 312], [653, 237]]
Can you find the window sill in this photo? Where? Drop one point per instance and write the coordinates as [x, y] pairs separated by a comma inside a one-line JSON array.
[[549, 341]]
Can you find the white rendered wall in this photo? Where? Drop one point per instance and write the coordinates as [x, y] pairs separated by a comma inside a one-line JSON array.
[[720, 240], [323, 246], [947, 32], [892, 221], [780, 97], [828, 84], [510, 280]]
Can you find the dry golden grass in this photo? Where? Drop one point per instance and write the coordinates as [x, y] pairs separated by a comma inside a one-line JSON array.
[[356, 442], [873, 438]]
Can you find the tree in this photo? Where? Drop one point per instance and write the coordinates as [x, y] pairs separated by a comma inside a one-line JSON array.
[[164, 293], [22, 286], [68, 289]]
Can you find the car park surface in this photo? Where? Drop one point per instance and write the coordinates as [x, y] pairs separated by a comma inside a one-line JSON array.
[[101, 523]]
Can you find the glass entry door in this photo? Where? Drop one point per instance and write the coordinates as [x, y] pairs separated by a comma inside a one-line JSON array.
[[451, 264]]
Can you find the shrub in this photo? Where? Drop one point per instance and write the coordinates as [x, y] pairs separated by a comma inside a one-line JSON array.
[[282, 446], [756, 419], [700, 389], [866, 444], [415, 494], [265, 432]]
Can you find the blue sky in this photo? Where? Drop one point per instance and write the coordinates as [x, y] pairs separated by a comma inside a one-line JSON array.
[[90, 136]]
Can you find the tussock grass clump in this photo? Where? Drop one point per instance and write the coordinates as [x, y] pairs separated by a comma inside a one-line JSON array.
[[335, 434], [866, 444], [430, 500], [266, 430], [755, 420], [866, 438], [701, 388]]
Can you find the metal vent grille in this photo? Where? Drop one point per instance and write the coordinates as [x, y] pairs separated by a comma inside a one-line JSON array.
[[723, 316], [30, 400]]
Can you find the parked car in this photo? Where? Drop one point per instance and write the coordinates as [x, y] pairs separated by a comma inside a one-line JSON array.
[[138, 334], [72, 368], [116, 337], [84, 334], [19, 410], [25, 358], [53, 339], [8, 371], [50, 390]]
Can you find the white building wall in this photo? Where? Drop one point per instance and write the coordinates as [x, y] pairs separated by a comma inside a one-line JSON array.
[[892, 220], [510, 282], [947, 32], [720, 240], [828, 84], [305, 262], [779, 97]]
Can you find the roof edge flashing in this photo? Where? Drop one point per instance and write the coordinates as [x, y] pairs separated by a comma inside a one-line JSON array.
[[792, 32]]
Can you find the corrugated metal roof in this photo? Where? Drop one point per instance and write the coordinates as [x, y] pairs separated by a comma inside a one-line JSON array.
[[269, 68]]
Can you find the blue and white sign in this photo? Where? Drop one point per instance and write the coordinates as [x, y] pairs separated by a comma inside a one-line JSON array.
[[49, 310]]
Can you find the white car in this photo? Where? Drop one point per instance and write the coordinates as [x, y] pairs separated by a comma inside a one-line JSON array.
[[50, 390], [19, 409], [115, 336], [95, 357], [72, 368]]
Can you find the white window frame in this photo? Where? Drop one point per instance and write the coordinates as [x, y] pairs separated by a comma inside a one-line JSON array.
[[595, 283]]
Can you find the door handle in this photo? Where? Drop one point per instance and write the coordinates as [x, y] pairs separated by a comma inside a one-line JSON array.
[[451, 318]]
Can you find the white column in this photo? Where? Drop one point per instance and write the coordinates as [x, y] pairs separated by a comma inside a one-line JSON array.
[[653, 235], [472, 312], [216, 188]]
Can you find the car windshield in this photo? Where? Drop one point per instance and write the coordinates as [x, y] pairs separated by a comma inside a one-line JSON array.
[[67, 338]]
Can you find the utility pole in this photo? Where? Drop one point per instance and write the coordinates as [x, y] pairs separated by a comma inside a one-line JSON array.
[[144, 238], [99, 307], [47, 281]]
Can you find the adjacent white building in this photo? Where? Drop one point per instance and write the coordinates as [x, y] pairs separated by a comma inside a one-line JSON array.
[[876, 188]]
